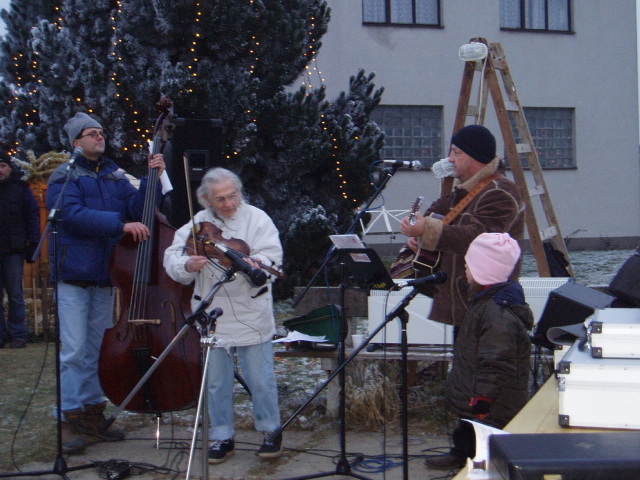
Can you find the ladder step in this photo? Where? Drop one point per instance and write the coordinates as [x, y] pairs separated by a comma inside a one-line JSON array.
[[498, 64], [473, 110], [536, 190], [524, 148], [547, 233], [512, 106]]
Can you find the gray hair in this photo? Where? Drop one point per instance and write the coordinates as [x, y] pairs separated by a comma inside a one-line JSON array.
[[217, 175]]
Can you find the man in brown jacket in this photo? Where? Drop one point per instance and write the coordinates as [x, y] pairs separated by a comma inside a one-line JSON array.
[[496, 208]]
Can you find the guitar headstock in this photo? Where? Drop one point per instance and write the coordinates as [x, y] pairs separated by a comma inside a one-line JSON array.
[[414, 208]]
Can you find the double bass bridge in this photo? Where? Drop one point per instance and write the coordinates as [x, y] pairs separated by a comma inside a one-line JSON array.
[[144, 321]]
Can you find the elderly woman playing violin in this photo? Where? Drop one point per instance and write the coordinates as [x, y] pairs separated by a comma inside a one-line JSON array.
[[247, 325]]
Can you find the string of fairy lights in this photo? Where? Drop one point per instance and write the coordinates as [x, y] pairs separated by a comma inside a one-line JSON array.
[[312, 71], [144, 133], [312, 76]]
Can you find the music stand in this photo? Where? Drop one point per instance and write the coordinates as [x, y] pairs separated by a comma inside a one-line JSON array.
[[365, 268]]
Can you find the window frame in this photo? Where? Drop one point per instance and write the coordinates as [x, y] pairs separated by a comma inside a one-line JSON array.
[[410, 142], [546, 29], [388, 11], [534, 129]]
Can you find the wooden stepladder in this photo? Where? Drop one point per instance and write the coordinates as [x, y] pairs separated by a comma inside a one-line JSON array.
[[510, 115]]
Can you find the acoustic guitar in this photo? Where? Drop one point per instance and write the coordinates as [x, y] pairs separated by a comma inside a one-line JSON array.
[[402, 265]]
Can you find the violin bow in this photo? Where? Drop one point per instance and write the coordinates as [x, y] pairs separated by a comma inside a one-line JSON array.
[[185, 161]]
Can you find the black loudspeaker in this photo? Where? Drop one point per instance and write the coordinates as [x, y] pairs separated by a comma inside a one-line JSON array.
[[201, 142], [626, 283], [568, 305]]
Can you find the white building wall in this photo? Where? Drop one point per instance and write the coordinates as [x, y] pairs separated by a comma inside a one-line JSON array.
[[593, 70]]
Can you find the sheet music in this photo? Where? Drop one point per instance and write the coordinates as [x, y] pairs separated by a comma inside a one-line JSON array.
[[295, 336], [347, 241]]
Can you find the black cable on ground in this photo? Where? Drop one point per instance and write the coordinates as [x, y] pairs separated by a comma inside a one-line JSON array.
[[117, 469]]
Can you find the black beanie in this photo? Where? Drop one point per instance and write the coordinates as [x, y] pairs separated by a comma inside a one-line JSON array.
[[5, 158], [476, 141]]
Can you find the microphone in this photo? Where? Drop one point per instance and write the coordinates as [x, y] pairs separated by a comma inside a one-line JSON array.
[[215, 313], [78, 151], [413, 165], [206, 319], [438, 277], [258, 277]]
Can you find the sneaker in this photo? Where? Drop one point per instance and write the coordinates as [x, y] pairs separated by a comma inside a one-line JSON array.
[[448, 461], [17, 343], [271, 445], [220, 450]]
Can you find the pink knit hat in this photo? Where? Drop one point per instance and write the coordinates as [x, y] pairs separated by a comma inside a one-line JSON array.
[[491, 257]]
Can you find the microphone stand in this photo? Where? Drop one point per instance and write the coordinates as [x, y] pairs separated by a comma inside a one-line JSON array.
[[60, 466], [198, 315], [344, 468]]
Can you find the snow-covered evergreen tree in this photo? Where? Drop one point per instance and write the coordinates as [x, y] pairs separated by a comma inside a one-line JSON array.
[[303, 159], [20, 122]]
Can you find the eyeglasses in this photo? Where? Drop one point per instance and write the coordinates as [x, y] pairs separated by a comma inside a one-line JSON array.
[[222, 200], [94, 135]]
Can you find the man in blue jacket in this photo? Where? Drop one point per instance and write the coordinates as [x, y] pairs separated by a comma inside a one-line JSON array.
[[99, 205]]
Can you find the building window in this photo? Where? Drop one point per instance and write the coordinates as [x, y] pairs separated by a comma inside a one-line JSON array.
[[552, 132], [412, 132], [540, 15], [401, 12]]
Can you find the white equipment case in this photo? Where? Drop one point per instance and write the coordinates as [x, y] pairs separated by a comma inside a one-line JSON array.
[[598, 392], [421, 330], [614, 333]]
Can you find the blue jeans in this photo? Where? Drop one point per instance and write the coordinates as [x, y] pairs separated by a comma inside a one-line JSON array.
[[256, 364], [85, 314], [11, 268]]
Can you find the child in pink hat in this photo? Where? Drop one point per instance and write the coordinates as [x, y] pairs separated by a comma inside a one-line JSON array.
[[489, 379]]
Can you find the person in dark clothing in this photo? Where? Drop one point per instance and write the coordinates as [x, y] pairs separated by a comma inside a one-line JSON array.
[[19, 236], [489, 379]]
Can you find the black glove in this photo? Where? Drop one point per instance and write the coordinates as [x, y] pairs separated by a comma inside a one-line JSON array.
[[480, 407], [29, 250]]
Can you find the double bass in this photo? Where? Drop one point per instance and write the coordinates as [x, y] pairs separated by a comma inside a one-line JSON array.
[[154, 310]]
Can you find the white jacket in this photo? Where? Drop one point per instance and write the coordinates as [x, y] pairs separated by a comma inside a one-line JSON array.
[[245, 320]]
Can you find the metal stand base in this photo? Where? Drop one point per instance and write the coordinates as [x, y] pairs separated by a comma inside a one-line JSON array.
[[343, 467]]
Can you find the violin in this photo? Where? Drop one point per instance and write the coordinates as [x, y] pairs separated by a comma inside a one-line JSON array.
[[205, 238]]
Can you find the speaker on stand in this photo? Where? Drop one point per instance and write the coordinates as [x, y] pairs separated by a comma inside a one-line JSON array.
[[200, 141]]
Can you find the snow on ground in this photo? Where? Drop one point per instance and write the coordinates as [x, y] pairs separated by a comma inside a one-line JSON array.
[[591, 268]]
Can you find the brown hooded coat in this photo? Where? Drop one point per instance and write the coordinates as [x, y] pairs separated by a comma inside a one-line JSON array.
[[497, 208]]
